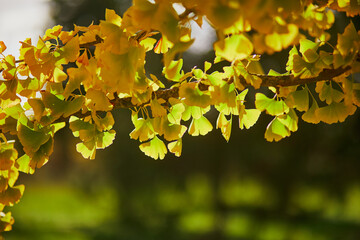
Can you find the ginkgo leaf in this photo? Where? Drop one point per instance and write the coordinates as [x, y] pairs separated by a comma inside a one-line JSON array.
[[194, 111], [85, 151], [310, 115], [6, 222], [349, 40], [172, 131], [104, 139], [119, 70], [252, 79], [200, 126], [224, 94], [12, 195], [237, 46], [97, 101], [59, 107], [59, 75], [24, 164], [298, 100], [105, 123], [31, 139], [327, 93], [174, 71], [156, 109], [41, 156], [290, 120], [175, 113], [154, 148], [144, 129], [193, 96], [224, 125], [248, 117], [335, 112], [8, 155], [275, 131], [76, 77], [175, 147], [52, 33], [2, 47], [38, 107], [70, 52], [272, 106]]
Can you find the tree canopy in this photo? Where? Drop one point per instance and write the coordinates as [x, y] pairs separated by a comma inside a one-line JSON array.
[[78, 78]]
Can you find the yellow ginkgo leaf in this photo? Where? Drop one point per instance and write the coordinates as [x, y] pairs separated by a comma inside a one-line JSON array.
[[248, 117], [200, 126], [335, 112], [237, 46], [154, 148], [224, 125], [176, 147]]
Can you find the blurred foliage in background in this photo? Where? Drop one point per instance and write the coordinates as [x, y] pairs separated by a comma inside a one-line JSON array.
[[305, 187]]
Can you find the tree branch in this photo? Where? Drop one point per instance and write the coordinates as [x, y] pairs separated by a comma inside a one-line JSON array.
[[267, 81]]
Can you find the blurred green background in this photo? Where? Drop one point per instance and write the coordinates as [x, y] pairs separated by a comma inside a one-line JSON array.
[[304, 187]]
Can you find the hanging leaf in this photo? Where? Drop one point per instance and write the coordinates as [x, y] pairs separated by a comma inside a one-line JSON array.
[[176, 147], [200, 126], [155, 148], [272, 106]]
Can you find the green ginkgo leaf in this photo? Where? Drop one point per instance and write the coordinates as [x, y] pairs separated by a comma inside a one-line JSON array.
[[298, 100], [290, 120], [272, 106], [175, 113], [276, 131], [31, 139]]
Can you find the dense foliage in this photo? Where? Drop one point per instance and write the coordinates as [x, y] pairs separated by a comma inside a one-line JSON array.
[[79, 77]]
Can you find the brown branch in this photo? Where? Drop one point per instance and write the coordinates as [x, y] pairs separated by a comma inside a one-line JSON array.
[[291, 80], [267, 81], [98, 39]]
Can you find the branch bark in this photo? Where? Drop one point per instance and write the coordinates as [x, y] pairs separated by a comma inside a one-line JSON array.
[[267, 81]]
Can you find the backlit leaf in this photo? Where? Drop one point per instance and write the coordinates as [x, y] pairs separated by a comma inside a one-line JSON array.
[[310, 115], [298, 100], [193, 96], [224, 125], [248, 117], [200, 126], [272, 106], [335, 112], [234, 47], [276, 131], [155, 148], [176, 147]]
